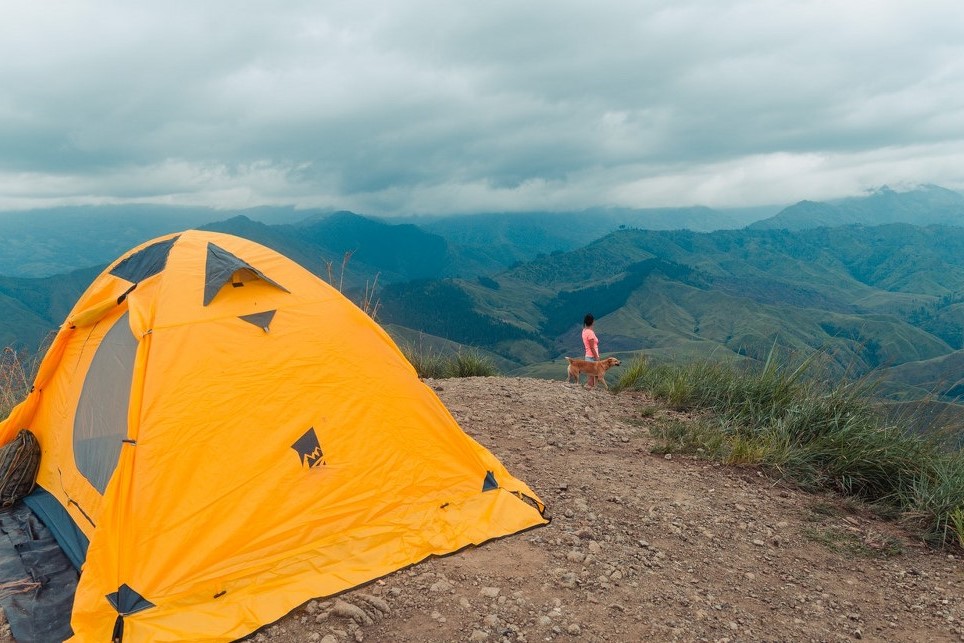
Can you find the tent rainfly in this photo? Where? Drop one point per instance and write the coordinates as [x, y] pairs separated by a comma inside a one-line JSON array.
[[225, 436]]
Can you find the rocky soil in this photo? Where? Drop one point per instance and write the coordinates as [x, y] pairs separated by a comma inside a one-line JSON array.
[[645, 546]]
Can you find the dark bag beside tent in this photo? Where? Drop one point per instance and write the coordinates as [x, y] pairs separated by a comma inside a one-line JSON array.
[[19, 461]]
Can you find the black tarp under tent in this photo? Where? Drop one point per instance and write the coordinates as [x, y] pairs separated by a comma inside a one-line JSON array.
[[37, 580]]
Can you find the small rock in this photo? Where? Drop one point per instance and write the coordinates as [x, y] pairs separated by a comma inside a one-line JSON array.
[[568, 580], [858, 634], [758, 542], [490, 592], [376, 603], [574, 629], [668, 456], [355, 613], [478, 635]]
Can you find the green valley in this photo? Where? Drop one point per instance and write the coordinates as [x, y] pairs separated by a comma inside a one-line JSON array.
[[885, 301]]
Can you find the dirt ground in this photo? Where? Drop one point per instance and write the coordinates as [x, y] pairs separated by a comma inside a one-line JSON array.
[[645, 547]]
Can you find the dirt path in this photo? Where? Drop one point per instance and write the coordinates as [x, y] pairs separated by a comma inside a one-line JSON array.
[[645, 547]]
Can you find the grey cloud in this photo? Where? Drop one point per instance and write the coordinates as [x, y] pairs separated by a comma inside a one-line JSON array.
[[391, 105]]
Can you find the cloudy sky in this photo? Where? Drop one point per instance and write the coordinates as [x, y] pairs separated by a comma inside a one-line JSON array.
[[438, 106]]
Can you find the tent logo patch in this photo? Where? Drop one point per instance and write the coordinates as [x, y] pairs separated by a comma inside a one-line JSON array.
[[309, 449]]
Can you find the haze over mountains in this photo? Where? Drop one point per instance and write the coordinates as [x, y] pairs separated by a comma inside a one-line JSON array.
[[875, 282]]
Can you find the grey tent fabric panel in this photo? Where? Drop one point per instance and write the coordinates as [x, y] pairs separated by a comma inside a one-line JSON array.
[[489, 483], [261, 320], [308, 448], [219, 268], [127, 601], [145, 262], [100, 423]]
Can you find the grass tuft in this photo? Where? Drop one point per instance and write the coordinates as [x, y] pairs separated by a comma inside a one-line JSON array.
[[16, 375], [840, 540], [431, 363], [428, 363], [470, 363]]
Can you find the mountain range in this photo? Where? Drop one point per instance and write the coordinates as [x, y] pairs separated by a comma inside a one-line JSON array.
[[683, 283], [926, 205]]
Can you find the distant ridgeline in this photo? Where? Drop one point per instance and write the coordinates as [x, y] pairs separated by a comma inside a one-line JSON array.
[[886, 299]]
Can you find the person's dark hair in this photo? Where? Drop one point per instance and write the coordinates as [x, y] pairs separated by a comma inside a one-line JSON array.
[[588, 320]]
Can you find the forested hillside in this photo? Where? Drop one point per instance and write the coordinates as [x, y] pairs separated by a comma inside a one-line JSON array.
[[870, 297], [884, 299]]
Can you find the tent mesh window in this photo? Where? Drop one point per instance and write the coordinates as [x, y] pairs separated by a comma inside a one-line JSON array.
[[100, 423]]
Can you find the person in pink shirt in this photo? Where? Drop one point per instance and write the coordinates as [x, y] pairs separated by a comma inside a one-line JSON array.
[[591, 342]]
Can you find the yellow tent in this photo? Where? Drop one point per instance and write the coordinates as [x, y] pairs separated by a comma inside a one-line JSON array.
[[225, 436]]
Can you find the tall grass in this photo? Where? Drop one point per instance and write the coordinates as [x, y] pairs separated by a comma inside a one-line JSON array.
[[427, 362], [431, 363], [368, 303], [820, 434], [16, 377]]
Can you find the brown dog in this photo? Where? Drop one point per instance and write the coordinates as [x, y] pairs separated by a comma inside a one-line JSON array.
[[591, 369]]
